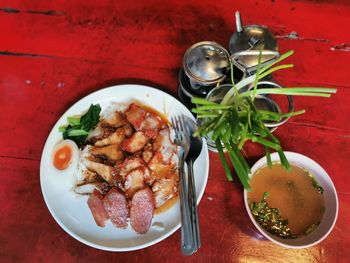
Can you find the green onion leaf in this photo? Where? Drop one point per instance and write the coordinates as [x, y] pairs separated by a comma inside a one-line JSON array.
[[268, 157], [201, 101], [234, 121], [223, 160], [238, 166], [217, 132], [271, 70], [267, 143], [284, 160], [282, 57], [244, 135], [240, 157], [306, 91], [214, 107]]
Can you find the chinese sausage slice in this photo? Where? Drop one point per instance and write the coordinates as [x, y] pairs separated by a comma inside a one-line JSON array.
[[141, 210]]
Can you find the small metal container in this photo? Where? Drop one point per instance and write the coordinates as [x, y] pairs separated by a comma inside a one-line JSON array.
[[191, 88], [215, 95], [206, 63], [265, 102], [185, 91], [246, 43]]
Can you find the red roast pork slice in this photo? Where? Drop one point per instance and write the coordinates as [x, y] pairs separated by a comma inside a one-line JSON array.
[[135, 143]]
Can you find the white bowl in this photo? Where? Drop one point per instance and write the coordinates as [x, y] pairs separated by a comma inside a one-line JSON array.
[[330, 196]]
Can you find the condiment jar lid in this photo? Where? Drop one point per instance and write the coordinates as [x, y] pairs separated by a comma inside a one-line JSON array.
[[246, 43], [206, 62]]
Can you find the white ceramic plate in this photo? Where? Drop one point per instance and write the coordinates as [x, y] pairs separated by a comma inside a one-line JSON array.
[[330, 197], [71, 211]]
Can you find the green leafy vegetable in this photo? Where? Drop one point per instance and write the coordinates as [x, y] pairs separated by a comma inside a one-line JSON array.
[[73, 121], [235, 120], [78, 128], [89, 120], [79, 140], [62, 128], [77, 132]]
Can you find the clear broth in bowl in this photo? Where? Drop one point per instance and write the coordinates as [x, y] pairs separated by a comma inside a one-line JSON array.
[[295, 193]]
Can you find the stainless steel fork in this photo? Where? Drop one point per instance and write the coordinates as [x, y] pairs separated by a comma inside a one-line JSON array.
[[182, 139]]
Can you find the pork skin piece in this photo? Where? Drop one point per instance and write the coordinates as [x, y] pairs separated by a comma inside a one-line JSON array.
[[130, 164], [165, 188], [116, 137], [112, 152], [163, 145], [151, 126], [134, 181], [151, 122], [144, 121], [116, 206], [135, 115], [95, 203], [141, 210], [89, 188], [135, 143], [147, 153], [115, 120], [158, 167]]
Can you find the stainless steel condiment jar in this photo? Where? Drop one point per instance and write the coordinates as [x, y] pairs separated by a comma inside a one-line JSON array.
[[246, 43], [205, 64]]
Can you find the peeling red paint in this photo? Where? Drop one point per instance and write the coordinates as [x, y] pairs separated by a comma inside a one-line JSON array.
[[341, 47]]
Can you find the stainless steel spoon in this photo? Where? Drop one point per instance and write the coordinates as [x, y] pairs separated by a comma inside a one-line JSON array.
[[194, 152]]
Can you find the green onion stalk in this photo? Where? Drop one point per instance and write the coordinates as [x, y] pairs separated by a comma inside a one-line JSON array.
[[235, 120]]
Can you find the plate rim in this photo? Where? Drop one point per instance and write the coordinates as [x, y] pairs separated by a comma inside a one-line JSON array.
[[92, 244]]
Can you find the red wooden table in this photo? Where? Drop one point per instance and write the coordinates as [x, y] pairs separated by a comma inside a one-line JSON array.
[[52, 53]]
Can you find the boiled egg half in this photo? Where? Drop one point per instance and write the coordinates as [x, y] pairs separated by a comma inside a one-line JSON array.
[[65, 156]]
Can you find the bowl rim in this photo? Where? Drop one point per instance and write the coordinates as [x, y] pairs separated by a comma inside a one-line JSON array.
[[263, 162]]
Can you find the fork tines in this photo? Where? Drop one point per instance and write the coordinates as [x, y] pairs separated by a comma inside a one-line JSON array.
[[179, 123], [182, 134]]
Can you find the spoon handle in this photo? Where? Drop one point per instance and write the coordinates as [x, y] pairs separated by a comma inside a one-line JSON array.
[[187, 242], [193, 206]]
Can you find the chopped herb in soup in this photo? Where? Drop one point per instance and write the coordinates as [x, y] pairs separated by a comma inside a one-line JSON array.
[[287, 204]]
